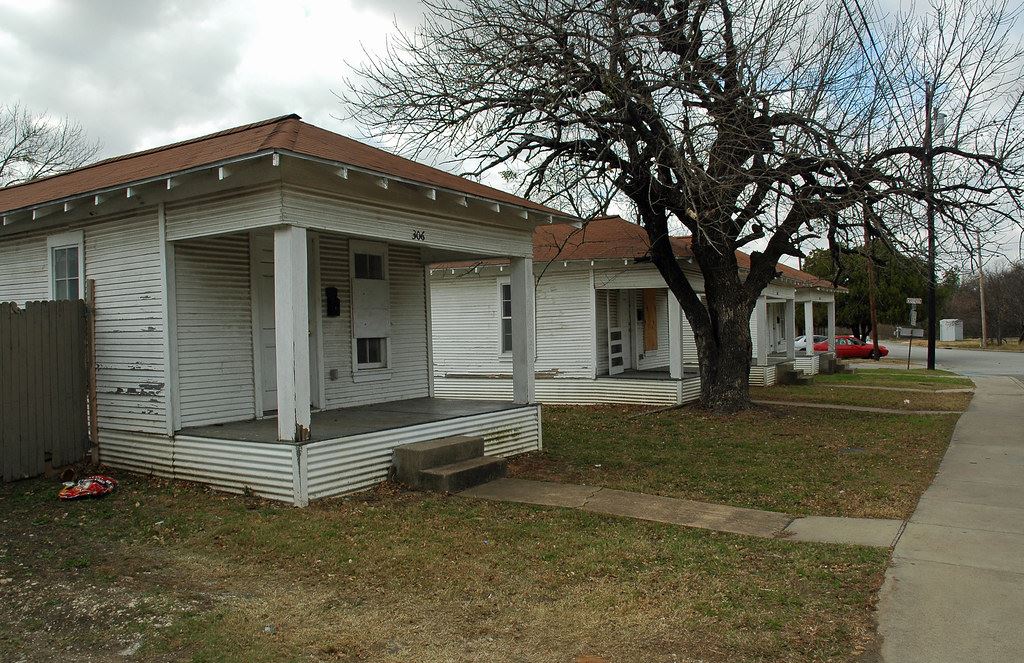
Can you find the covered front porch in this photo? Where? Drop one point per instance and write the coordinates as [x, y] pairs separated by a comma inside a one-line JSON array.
[[352, 449], [359, 420]]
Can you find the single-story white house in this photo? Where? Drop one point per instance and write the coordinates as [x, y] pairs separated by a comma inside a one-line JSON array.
[[262, 307], [608, 330]]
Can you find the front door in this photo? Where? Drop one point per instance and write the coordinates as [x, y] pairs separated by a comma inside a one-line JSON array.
[[619, 318], [266, 353]]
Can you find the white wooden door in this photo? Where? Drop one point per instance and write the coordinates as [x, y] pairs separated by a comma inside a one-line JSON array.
[[616, 351], [267, 351], [626, 322]]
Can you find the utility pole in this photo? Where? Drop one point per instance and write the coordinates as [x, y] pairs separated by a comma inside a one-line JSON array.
[[981, 295], [929, 188]]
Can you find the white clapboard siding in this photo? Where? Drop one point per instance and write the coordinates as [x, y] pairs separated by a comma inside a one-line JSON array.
[[224, 213], [628, 277], [214, 330], [564, 322], [689, 343], [320, 210], [464, 312], [345, 465], [465, 322], [123, 258], [24, 275], [407, 371]]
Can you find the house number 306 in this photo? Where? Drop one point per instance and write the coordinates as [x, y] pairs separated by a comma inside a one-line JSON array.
[[419, 235]]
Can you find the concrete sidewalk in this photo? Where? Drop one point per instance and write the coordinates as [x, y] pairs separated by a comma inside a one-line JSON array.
[[955, 589], [689, 513]]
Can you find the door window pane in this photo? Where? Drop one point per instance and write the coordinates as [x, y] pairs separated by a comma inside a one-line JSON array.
[[506, 317]]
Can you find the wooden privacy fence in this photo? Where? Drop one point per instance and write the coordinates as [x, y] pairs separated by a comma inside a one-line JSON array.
[[43, 386]]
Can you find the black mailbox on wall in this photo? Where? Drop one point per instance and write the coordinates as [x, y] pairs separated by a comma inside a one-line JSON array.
[[333, 303]]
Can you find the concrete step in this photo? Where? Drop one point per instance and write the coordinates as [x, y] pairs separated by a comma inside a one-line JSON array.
[[410, 460], [463, 474], [794, 377]]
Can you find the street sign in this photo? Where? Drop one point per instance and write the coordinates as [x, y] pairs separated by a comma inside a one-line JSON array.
[[909, 332], [914, 300]]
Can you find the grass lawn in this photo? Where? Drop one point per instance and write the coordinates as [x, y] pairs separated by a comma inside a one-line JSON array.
[[839, 395], [885, 377], [164, 571], [794, 460]]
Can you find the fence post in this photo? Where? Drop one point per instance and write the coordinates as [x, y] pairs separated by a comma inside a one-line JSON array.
[[90, 317]]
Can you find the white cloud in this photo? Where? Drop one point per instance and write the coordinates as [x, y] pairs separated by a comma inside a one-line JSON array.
[[139, 74]]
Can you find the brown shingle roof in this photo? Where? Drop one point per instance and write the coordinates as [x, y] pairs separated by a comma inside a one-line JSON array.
[[287, 133], [614, 238]]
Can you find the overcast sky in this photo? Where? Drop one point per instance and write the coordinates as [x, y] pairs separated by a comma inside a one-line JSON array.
[[139, 74]]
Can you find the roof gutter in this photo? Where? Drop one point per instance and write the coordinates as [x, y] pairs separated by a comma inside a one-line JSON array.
[[525, 213]]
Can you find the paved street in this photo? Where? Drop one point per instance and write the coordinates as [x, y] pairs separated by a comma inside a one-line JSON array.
[[955, 589], [968, 362]]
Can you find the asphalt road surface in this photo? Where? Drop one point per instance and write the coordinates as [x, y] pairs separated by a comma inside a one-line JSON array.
[[967, 362]]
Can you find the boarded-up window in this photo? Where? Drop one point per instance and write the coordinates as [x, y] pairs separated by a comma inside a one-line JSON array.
[[650, 319], [371, 304]]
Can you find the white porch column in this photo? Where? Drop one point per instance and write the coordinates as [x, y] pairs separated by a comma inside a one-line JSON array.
[[832, 326], [761, 329], [523, 320], [809, 327], [790, 321], [291, 325], [675, 337]]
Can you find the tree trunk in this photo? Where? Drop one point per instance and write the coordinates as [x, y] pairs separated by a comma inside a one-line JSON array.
[[724, 347], [724, 356], [720, 323]]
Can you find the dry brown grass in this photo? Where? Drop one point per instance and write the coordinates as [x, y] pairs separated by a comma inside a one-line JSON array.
[[794, 460], [1008, 345], [838, 395], [393, 576]]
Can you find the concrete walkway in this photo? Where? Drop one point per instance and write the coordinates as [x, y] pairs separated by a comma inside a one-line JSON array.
[[853, 408], [689, 513], [955, 589], [910, 389]]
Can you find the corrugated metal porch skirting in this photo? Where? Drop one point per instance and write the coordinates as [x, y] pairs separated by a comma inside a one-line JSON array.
[[808, 365], [297, 473]]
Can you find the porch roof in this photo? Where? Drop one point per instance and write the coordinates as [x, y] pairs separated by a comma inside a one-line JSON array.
[[344, 422], [615, 238], [286, 134]]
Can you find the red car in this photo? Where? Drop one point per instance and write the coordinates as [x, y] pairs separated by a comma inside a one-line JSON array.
[[851, 347]]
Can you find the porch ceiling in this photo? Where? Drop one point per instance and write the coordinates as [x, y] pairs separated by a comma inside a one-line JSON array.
[[343, 422]]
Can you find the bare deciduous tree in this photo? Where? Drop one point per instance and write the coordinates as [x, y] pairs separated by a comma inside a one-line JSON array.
[[753, 123], [36, 145]]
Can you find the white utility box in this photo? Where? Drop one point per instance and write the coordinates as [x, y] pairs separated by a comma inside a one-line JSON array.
[[951, 330]]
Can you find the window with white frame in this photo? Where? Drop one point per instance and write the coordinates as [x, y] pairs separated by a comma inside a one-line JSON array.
[[370, 304], [66, 265], [505, 315]]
